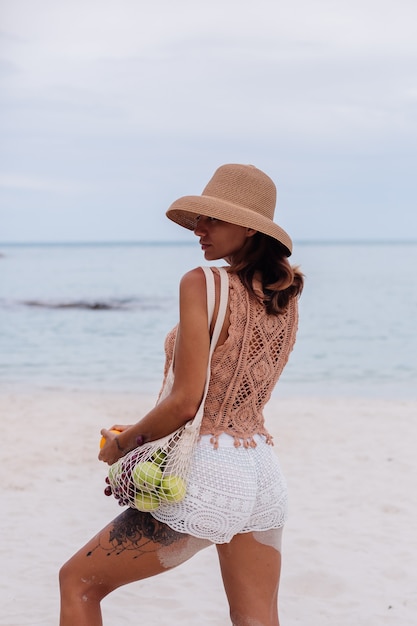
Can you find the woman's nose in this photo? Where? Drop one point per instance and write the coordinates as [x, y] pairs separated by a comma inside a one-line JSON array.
[[200, 227]]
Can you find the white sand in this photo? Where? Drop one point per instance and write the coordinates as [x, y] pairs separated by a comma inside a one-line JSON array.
[[350, 546]]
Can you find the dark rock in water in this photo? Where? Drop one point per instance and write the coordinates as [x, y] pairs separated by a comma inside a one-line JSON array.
[[81, 304], [107, 304]]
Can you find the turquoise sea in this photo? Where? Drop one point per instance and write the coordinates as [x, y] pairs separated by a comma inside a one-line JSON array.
[[94, 317]]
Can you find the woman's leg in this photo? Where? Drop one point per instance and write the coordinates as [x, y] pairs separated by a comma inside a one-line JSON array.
[[251, 567], [132, 547]]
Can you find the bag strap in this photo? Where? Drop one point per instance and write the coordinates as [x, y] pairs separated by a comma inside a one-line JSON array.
[[224, 297]]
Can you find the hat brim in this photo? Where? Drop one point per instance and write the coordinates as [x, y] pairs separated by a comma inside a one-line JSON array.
[[185, 211]]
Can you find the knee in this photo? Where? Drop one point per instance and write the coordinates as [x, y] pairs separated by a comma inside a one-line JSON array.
[[70, 582], [75, 584], [66, 576]]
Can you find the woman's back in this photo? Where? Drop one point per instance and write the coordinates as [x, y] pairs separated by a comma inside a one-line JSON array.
[[246, 367]]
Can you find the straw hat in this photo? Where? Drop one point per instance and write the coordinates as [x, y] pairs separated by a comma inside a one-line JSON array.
[[239, 194]]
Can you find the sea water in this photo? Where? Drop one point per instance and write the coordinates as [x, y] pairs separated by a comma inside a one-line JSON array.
[[94, 317]]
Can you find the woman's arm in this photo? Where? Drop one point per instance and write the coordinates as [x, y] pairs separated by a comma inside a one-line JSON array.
[[190, 369]]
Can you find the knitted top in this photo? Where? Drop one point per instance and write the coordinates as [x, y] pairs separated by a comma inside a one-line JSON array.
[[246, 367]]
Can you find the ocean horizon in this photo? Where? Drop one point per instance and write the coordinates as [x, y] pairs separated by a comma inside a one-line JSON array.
[[179, 242], [94, 315]]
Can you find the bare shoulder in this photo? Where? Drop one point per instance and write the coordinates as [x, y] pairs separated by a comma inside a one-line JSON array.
[[193, 283], [193, 299], [195, 279]]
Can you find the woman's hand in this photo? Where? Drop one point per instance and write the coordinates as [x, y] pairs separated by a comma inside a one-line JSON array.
[[120, 427], [112, 451]]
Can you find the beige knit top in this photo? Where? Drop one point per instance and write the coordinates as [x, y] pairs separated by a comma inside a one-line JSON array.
[[246, 367]]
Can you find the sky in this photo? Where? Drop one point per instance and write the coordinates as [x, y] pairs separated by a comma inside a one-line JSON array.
[[112, 109]]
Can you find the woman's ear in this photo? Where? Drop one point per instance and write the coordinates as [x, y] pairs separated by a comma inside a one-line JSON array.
[[250, 232]]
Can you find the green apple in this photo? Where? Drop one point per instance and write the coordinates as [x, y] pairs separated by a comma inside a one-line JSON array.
[[173, 489], [147, 474], [159, 457], [146, 501], [113, 469]]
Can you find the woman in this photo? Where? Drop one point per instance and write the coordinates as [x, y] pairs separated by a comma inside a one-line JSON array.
[[236, 496]]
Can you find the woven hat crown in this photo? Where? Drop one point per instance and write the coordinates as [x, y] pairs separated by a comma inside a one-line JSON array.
[[244, 186]]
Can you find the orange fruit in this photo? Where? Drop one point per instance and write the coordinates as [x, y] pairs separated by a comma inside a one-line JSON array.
[[103, 439]]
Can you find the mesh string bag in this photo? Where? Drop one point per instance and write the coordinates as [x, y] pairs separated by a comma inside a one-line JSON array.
[[157, 472]]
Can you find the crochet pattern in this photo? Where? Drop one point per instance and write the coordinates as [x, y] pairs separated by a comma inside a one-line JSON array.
[[230, 490], [246, 367]]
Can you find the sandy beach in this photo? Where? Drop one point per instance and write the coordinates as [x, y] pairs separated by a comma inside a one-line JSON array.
[[349, 553]]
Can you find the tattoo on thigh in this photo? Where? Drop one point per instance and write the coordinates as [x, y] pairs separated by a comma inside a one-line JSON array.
[[139, 532]]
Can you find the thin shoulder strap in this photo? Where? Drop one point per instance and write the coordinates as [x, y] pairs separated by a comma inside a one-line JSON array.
[[224, 296], [211, 292]]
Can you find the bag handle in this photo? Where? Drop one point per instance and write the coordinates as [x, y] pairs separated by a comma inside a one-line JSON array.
[[224, 297]]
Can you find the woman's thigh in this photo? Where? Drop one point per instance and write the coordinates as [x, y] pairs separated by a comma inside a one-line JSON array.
[[132, 547], [251, 566]]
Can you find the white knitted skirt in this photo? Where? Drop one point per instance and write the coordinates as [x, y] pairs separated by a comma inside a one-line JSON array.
[[230, 490]]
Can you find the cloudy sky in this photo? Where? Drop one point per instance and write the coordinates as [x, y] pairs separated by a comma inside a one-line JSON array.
[[111, 109]]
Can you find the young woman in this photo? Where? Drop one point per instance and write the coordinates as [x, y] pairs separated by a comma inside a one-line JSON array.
[[236, 496]]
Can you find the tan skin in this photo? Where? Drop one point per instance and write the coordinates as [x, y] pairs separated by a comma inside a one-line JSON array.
[[135, 546]]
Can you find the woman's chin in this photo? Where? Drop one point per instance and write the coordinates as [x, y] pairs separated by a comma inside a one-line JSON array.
[[209, 256]]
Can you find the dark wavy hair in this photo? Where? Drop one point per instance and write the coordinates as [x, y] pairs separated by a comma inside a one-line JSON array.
[[265, 257]]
